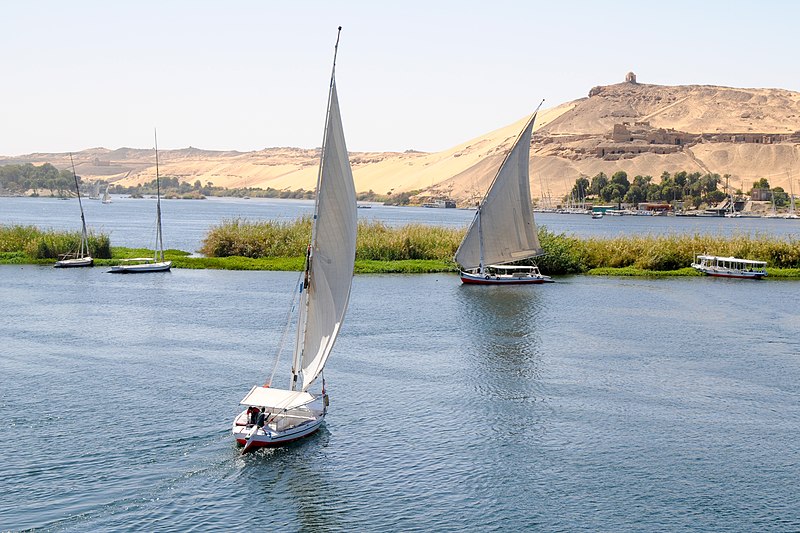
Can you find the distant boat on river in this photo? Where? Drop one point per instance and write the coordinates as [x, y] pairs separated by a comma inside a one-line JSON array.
[[503, 230], [730, 267], [275, 416], [147, 264], [81, 257]]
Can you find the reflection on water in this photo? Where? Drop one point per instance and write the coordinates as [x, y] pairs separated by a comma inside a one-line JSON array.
[[504, 329], [505, 351]]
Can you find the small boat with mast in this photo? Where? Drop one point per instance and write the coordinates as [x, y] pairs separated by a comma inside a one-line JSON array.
[[503, 230], [81, 257], [791, 214], [275, 416], [147, 264]]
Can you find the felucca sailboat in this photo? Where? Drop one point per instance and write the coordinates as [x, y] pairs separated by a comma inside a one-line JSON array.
[[81, 258], [147, 264], [503, 230], [275, 416], [791, 214]]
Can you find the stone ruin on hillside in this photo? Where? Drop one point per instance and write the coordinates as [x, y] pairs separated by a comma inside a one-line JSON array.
[[630, 77], [627, 140]]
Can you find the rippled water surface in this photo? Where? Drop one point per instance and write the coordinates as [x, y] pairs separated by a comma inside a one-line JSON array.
[[594, 404]]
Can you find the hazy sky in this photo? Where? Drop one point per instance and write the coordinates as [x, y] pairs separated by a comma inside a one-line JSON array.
[[423, 75]]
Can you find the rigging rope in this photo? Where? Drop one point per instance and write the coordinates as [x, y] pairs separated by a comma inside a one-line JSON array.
[[288, 320]]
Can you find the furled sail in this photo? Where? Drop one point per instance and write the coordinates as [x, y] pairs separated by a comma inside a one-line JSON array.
[[333, 249], [504, 222]]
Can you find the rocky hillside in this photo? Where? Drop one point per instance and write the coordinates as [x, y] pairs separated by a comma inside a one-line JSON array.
[[640, 128]]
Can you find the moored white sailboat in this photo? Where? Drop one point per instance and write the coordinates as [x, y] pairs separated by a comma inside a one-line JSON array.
[[81, 258], [276, 416], [157, 262], [503, 230], [791, 214]]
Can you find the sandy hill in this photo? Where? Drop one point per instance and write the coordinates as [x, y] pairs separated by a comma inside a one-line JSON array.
[[640, 128]]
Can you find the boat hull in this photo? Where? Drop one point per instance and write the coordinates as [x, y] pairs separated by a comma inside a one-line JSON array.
[[732, 274], [74, 263], [476, 279], [269, 437], [163, 266]]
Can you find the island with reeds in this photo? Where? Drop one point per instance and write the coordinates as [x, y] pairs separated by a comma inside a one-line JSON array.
[[415, 248]]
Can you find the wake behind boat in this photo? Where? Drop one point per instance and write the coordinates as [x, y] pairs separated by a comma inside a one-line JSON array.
[[148, 264], [81, 257], [503, 230], [277, 416]]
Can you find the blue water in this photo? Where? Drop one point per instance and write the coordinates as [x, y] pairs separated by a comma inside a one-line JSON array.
[[131, 222], [591, 404]]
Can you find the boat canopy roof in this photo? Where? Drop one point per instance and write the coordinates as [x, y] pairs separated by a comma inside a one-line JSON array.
[[512, 267], [276, 398], [733, 260]]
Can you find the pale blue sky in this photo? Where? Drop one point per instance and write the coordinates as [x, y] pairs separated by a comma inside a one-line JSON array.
[[422, 75]]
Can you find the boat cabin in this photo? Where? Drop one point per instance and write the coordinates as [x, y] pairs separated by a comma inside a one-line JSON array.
[[500, 274], [730, 267]]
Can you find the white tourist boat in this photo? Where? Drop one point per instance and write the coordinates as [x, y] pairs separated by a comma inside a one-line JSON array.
[[730, 267], [81, 257], [284, 415], [503, 230], [106, 196], [156, 263]]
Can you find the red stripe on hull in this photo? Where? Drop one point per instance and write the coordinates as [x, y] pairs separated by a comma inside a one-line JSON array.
[[759, 276], [502, 282]]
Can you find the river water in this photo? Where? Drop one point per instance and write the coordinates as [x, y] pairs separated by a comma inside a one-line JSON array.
[[131, 222], [590, 404]]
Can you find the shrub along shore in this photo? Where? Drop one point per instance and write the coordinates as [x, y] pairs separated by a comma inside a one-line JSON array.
[[416, 248]]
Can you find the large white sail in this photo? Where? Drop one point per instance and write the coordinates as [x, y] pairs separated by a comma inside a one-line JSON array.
[[504, 221], [333, 250]]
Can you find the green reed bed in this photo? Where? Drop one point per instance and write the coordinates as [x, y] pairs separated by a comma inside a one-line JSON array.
[[378, 242], [421, 248], [416, 248], [38, 244], [375, 240], [674, 252], [243, 238]]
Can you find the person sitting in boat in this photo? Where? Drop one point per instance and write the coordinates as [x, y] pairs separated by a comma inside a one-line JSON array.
[[252, 414], [262, 418]]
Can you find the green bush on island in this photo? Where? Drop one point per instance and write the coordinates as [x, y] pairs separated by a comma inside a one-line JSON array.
[[375, 242], [242, 238], [49, 244], [378, 242]]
